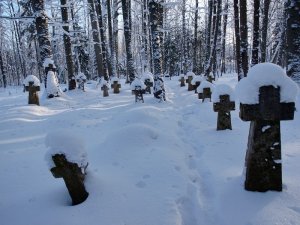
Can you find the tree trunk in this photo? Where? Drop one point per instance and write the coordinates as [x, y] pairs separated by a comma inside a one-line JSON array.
[[111, 40], [67, 45], [255, 45], [96, 38], [293, 39], [225, 19], [237, 39], [208, 37], [156, 11], [145, 34], [127, 34], [195, 61], [244, 36], [103, 39], [264, 30], [3, 72], [115, 34]]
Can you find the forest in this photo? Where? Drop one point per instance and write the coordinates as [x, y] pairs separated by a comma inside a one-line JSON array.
[[107, 38]]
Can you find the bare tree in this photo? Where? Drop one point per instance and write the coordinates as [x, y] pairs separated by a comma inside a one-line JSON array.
[[255, 45]]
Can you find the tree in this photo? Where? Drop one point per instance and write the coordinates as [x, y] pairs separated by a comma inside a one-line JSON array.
[[244, 37], [127, 34], [237, 39], [156, 11], [67, 45], [255, 45], [264, 30], [293, 39]]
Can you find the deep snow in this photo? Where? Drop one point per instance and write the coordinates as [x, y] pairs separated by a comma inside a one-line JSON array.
[[149, 163]]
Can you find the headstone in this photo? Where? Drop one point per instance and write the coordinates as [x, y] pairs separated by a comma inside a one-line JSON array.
[[81, 79], [223, 108], [190, 85], [105, 88], [116, 86], [263, 158], [73, 177]]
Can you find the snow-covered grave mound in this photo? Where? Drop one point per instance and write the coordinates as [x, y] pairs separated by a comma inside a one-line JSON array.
[[205, 84], [190, 74], [147, 75], [66, 143], [222, 89], [80, 77], [198, 78], [33, 79], [182, 76], [266, 74], [137, 83], [113, 79]]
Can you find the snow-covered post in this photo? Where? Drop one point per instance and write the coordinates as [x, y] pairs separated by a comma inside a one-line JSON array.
[[138, 89], [68, 160], [267, 96], [223, 104], [156, 10], [81, 79], [105, 88], [204, 90], [115, 85], [32, 85]]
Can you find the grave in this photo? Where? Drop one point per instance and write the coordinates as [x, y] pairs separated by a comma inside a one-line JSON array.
[[105, 89], [138, 92], [190, 77], [81, 79], [148, 84], [270, 104], [182, 80], [116, 86], [32, 85], [73, 177], [223, 107], [205, 90]]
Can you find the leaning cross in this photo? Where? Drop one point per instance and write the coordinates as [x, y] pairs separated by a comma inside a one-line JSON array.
[[73, 177], [223, 108], [263, 158], [33, 97]]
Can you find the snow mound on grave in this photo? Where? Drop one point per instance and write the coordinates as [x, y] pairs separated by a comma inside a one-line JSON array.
[[80, 76], [32, 78], [47, 62], [222, 89], [204, 84], [67, 143], [181, 75], [137, 82], [190, 74], [147, 75], [52, 85], [198, 78], [113, 79], [266, 74]]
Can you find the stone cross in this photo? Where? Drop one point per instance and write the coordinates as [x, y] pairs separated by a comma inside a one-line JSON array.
[[138, 92], [116, 86], [73, 177], [206, 93], [33, 97], [104, 88], [196, 85], [263, 158], [148, 84], [190, 85], [223, 108]]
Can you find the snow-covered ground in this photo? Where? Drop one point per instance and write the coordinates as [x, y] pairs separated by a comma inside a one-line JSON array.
[[149, 163]]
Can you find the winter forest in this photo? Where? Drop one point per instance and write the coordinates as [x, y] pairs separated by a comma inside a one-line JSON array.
[[149, 112]]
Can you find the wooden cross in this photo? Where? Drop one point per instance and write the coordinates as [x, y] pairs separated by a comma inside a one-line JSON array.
[[263, 158], [33, 97], [73, 177], [206, 93], [104, 88], [223, 108], [148, 84]]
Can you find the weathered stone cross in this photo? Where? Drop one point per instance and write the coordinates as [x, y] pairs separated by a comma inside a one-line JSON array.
[[263, 158], [223, 108], [33, 97], [116, 86]]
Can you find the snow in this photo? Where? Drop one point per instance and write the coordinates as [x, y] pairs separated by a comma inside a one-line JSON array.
[[80, 76], [48, 61], [147, 75], [67, 143], [149, 164], [52, 85], [137, 82], [114, 79], [190, 74], [266, 74], [222, 89], [197, 78], [31, 78], [181, 75], [204, 84]]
